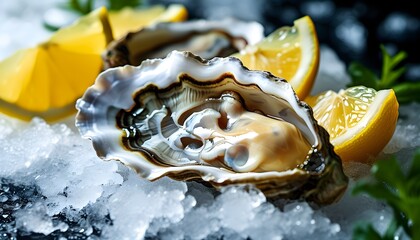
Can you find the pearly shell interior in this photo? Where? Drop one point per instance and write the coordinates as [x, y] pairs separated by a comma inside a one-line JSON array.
[[212, 124], [213, 121]]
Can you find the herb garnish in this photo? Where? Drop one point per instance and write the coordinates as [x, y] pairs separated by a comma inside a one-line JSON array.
[[400, 191], [405, 91], [86, 6]]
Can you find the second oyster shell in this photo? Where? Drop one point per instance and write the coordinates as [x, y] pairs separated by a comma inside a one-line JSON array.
[[205, 38], [189, 118]]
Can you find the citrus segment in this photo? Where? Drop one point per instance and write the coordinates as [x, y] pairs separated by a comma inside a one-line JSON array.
[[71, 73], [46, 80], [18, 67], [360, 120], [290, 52], [174, 13], [89, 34], [129, 19]]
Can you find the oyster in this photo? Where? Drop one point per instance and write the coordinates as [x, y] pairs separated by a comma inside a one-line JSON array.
[[212, 120], [204, 38]]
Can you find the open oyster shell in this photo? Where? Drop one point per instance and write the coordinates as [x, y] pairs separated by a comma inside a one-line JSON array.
[[216, 121], [204, 38]]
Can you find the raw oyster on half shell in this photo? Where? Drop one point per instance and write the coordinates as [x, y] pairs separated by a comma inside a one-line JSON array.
[[204, 38], [211, 120]]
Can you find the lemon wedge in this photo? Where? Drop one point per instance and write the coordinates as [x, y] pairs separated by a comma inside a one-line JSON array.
[[290, 52], [45, 80], [131, 19], [360, 120]]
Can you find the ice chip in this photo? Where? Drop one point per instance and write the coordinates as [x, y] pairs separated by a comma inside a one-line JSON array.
[[35, 219]]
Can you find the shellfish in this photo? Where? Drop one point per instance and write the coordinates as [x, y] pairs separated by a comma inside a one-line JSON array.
[[211, 120], [204, 38]]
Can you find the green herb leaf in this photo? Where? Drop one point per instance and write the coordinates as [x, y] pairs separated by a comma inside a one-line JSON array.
[[400, 191], [391, 73], [377, 190], [382, 169], [81, 6], [86, 6], [415, 166], [119, 4], [361, 75], [365, 231], [407, 92]]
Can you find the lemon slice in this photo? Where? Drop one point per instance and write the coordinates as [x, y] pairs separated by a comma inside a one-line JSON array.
[[129, 19], [46, 80], [360, 120], [290, 52]]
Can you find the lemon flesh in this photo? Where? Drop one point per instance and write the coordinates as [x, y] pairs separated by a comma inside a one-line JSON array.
[[130, 20], [46, 80], [360, 120], [290, 52]]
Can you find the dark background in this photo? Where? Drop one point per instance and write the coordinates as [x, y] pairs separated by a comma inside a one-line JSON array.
[[354, 29]]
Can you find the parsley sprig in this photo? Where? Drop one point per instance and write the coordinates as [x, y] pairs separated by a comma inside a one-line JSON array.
[[81, 7], [390, 77], [400, 191], [86, 6]]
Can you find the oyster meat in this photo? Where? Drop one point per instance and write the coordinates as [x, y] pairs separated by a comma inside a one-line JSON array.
[[204, 38], [214, 121]]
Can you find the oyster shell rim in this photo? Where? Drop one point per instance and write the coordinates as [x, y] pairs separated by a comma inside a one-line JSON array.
[[231, 27], [268, 182]]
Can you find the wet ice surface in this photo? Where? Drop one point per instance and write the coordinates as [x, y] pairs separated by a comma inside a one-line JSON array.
[[60, 187], [53, 184]]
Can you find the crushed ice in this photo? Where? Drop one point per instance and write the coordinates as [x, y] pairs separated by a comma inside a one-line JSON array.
[[71, 190], [52, 183], [68, 180], [60, 188]]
